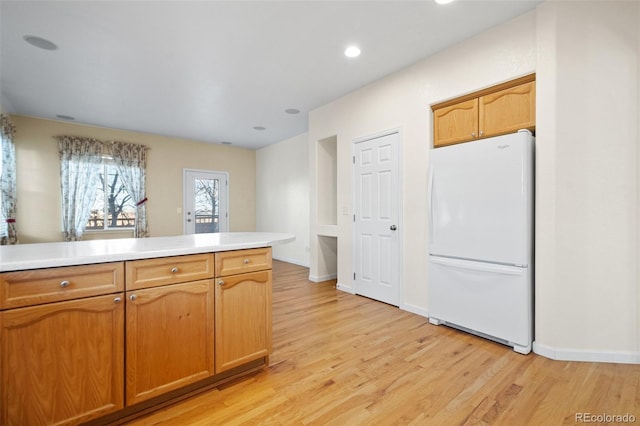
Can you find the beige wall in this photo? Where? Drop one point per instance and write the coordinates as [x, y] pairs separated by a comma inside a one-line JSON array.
[[38, 176], [282, 182]]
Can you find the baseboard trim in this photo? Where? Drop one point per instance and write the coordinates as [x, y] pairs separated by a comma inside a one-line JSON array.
[[320, 278], [564, 354], [346, 288], [414, 309], [294, 261]]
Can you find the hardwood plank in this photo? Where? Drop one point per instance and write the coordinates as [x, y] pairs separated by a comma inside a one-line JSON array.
[[344, 359]]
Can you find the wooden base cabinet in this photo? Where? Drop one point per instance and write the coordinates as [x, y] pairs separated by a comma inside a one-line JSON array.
[[82, 344], [243, 307], [243, 319], [169, 338], [62, 363]]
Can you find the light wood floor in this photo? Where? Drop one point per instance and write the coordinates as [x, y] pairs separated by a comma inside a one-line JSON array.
[[340, 359]]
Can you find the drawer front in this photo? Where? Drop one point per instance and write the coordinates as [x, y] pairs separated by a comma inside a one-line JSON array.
[[241, 261], [27, 288], [168, 270]]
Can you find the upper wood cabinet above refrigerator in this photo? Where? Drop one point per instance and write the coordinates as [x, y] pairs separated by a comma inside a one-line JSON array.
[[498, 110]]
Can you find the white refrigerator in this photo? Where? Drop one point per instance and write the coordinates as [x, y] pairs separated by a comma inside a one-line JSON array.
[[480, 199]]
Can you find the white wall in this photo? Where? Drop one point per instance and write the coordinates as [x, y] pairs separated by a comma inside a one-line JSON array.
[[403, 100], [587, 181], [586, 56], [282, 196]]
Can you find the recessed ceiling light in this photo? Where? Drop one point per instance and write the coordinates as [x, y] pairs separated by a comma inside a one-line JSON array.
[[40, 42], [352, 52], [292, 111], [443, 1], [65, 117], [259, 128]]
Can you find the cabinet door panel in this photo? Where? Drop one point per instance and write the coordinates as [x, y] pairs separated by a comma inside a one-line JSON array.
[[62, 362], [455, 123], [243, 319], [169, 338], [508, 110]]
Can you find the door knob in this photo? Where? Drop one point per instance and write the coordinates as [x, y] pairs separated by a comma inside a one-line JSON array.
[[393, 227]]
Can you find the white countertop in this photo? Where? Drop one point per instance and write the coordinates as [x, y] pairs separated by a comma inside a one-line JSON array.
[[21, 257]]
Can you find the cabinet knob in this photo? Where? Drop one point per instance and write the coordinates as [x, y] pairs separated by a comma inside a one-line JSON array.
[[246, 261], [481, 132], [220, 282], [117, 300], [473, 134], [64, 284], [133, 297], [174, 269]]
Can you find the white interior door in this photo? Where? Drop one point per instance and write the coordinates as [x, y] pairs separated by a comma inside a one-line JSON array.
[[205, 201], [377, 228]]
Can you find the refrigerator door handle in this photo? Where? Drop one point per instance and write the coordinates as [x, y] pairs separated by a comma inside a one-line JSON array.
[[430, 202], [479, 266]]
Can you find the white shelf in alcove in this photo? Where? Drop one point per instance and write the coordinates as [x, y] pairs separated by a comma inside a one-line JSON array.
[[327, 230]]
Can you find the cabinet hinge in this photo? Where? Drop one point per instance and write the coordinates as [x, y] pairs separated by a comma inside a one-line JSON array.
[[354, 276]]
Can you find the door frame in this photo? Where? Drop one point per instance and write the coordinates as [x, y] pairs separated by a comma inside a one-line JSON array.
[[400, 193], [225, 197]]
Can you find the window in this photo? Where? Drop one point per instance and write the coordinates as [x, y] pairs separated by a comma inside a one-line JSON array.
[[3, 220], [114, 207], [103, 186], [8, 231]]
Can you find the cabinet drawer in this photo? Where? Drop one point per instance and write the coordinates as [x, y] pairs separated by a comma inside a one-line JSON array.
[[241, 261], [26, 288], [148, 273]]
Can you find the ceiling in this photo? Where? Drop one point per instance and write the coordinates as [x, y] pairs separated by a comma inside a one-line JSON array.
[[213, 70]]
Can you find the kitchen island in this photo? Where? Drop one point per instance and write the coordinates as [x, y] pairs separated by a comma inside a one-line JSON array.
[[101, 330]]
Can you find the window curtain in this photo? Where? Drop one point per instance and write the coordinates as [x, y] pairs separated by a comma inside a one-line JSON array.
[[131, 161], [80, 166], [8, 182]]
